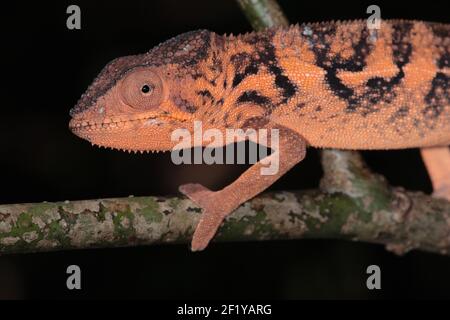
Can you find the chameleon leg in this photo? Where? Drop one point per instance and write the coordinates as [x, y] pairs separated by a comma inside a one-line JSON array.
[[217, 205], [437, 162]]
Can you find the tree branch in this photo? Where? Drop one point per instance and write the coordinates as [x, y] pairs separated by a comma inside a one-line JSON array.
[[369, 211], [263, 13], [352, 203]]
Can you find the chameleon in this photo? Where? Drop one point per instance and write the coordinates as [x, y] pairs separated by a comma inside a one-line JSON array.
[[332, 84]]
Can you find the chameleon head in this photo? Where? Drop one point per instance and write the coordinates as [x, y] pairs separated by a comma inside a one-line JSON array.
[[136, 102]]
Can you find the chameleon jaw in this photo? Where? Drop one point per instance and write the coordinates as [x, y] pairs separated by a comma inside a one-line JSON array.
[[143, 134], [80, 125]]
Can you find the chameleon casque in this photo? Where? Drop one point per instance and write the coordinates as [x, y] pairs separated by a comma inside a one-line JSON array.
[[326, 85]]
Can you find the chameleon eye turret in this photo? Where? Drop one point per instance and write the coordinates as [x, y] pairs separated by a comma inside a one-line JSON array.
[[142, 88]]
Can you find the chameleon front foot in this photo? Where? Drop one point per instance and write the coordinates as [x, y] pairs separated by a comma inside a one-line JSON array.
[[214, 211], [437, 162]]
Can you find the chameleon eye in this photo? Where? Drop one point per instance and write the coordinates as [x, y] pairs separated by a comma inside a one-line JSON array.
[[146, 88], [142, 89]]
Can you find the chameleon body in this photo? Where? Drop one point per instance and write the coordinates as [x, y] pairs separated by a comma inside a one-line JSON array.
[[328, 85]]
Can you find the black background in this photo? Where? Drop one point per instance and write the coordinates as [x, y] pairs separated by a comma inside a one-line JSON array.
[[46, 67]]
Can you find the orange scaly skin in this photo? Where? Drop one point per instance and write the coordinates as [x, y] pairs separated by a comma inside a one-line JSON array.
[[333, 85]]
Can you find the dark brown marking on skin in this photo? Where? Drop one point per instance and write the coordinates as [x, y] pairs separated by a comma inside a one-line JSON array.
[[444, 61], [255, 123], [259, 39], [255, 97], [206, 94], [288, 88], [401, 45], [440, 30], [249, 70], [196, 74], [318, 109], [376, 89], [244, 65], [265, 56], [215, 68], [219, 42], [432, 112], [216, 65], [383, 90], [398, 131], [417, 125], [220, 102], [380, 89], [283, 83], [186, 49], [439, 94], [239, 117], [335, 115], [225, 118], [320, 38], [184, 105], [402, 112], [300, 106], [240, 60]]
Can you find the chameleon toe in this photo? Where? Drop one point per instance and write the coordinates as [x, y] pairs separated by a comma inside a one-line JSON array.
[[196, 192]]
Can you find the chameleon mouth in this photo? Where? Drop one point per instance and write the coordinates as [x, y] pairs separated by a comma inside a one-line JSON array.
[[144, 134], [85, 126]]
